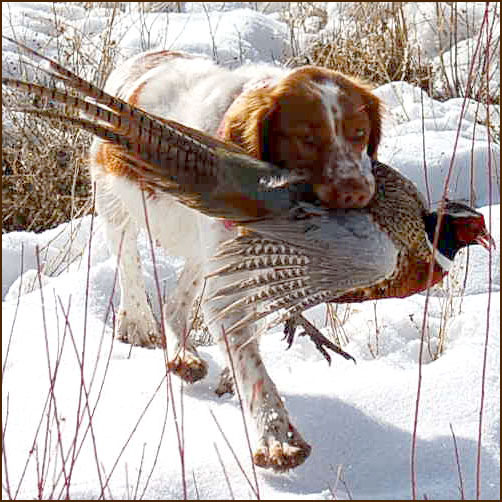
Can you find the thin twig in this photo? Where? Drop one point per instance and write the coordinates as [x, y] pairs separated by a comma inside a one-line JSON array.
[[140, 470], [241, 405], [197, 494], [157, 453], [86, 407], [52, 379], [457, 461], [131, 434], [179, 428], [105, 372], [232, 451], [16, 310], [488, 306], [225, 474], [4, 450], [430, 274]]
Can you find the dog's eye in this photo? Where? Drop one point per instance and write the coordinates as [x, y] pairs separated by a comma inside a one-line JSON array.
[[358, 135]]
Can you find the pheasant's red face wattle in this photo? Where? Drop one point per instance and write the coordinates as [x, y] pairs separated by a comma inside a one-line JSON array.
[[473, 231]]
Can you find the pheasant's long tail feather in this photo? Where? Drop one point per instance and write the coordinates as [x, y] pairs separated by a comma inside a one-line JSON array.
[[214, 177]]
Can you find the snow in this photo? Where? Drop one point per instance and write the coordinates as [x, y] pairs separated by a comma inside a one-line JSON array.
[[234, 37], [231, 37], [432, 24], [457, 61], [358, 418], [451, 134]]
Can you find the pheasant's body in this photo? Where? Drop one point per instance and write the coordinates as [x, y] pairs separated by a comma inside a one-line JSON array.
[[289, 254], [290, 278], [398, 209], [411, 277]]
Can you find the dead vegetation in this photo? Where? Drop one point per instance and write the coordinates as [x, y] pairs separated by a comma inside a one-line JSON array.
[[45, 179], [372, 44]]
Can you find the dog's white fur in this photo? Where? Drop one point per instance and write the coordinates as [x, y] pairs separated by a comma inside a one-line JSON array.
[[191, 90]]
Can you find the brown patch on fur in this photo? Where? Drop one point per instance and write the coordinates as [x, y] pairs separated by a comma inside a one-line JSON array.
[[107, 157], [134, 97], [257, 390], [151, 60]]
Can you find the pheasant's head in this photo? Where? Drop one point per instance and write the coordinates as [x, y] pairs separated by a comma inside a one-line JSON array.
[[461, 226]]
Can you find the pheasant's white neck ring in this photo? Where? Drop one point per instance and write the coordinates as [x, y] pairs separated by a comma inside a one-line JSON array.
[[444, 262]]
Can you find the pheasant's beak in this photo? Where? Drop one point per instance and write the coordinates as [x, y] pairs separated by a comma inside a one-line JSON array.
[[486, 240]]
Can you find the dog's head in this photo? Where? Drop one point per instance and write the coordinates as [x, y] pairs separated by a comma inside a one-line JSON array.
[[318, 122]]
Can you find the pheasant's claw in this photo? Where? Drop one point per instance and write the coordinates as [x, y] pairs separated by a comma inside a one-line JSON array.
[[320, 341], [289, 331]]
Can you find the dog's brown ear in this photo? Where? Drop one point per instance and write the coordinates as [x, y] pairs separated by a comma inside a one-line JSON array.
[[265, 133], [375, 112], [247, 121]]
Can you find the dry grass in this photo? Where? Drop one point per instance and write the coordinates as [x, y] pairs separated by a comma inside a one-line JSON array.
[[45, 178], [372, 44]]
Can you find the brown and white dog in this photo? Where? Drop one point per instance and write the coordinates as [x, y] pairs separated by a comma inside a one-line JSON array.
[[310, 119]]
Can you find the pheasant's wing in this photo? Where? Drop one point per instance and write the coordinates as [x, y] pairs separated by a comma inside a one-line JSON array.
[[294, 264], [209, 175]]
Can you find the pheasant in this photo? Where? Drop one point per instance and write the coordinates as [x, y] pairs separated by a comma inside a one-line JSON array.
[[461, 226], [397, 212], [290, 254]]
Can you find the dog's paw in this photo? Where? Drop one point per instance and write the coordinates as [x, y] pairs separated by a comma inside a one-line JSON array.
[[188, 366], [226, 383], [142, 331], [281, 456]]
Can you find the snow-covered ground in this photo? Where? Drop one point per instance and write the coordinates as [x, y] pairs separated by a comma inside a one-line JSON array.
[[358, 418]]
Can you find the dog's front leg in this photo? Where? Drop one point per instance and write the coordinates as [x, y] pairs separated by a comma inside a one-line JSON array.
[[280, 446]]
